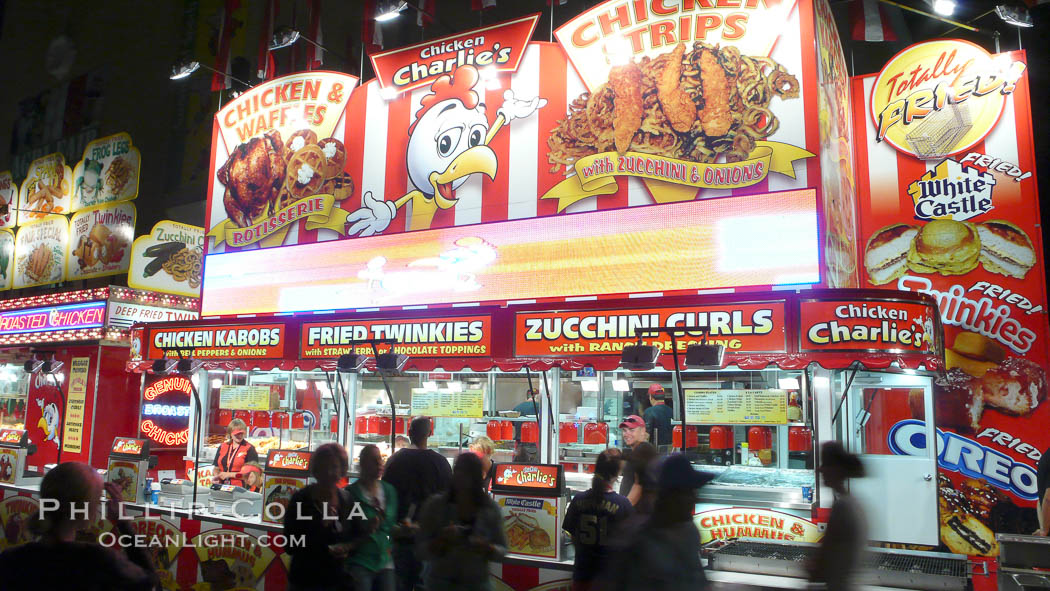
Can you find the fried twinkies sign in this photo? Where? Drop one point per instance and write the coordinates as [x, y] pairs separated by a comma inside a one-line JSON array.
[[256, 341], [737, 327], [942, 97], [615, 32], [467, 336], [492, 49], [860, 325]]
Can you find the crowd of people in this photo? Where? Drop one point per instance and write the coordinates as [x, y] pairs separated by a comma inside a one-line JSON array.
[[417, 523]]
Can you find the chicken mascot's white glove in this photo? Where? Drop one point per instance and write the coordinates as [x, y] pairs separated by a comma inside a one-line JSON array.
[[371, 219], [513, 108]]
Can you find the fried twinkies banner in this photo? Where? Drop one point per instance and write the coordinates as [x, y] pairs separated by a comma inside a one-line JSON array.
[[278, 161], [949, 207]]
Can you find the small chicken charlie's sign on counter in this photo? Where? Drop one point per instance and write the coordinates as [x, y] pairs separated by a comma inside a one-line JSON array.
[[279, 159]]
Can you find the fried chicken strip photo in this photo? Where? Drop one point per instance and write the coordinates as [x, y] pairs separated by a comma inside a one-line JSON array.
[[626, 84], [715, 117], [676, 103]]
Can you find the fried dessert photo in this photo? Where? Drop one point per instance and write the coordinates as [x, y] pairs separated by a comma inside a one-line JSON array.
[[886, 254], [958, 403], [253, 176], [697, 103], [1016, 386]]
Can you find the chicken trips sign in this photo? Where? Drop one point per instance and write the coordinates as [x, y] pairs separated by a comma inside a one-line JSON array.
[[949, 207]]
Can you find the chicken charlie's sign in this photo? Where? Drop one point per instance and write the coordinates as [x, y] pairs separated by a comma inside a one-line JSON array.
[[278, 159]]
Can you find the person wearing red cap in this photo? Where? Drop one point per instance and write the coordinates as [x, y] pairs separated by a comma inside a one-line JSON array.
[[233, 454], [632, 429], [658, 417]]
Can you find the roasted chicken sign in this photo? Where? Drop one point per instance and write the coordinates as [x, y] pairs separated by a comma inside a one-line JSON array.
[[279, 160]]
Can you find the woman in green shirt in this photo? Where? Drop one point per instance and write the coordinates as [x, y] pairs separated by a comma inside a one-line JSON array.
[[370, 563]]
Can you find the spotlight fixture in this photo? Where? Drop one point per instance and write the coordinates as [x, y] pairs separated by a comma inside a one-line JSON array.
[[186, 68], [705, 356], [33, 365], [391, 362], [284, 36], [944, 7], [388, 11], [1013, 14], [51, 366], [639, 357], [163, 367], [350, 363]]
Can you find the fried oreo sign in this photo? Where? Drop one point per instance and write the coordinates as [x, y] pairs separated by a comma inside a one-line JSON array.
[[940, 98]]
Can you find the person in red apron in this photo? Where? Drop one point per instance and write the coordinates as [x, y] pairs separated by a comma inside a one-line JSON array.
[[233, 454]]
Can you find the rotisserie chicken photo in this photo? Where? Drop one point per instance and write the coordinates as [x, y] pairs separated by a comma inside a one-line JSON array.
[[253, 177]]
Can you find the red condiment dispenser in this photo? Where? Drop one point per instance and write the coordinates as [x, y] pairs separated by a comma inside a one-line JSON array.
[[506, 430], [280, 420], [759, 438], [596, 433], [568, 433], [530, 433], [261, 419], [492, 429], [800, 439], [383, 425], [225, 416], [721, 437]]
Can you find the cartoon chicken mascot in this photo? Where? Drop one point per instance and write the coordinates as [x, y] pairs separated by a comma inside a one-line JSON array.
[[48, 422], [447, 143]]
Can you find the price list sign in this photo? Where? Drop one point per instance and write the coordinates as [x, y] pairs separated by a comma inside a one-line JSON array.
[[446, 403], [736, 407]]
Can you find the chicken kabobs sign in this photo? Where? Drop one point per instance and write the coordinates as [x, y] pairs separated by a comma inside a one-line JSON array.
[[279, 160], [680, 95]]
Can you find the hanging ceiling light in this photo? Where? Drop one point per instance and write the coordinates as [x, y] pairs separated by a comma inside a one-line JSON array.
[[944, 7], [388, 11], [1013, 14], [186, 68], [283, 37]]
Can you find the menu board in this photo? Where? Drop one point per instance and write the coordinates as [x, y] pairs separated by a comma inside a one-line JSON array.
[[100, 241], [108, 172], [262, 397], [46, 189], [736, 407], [40, 252], [446, 403], [73, 430], [8, 197], [168, 260]]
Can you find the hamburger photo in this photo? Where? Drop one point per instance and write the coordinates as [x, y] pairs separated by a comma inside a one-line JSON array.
[[886, 255], [947, 247], [1005, 249]]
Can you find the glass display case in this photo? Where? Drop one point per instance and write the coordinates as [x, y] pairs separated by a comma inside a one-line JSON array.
[[14, 394], [281, 409]]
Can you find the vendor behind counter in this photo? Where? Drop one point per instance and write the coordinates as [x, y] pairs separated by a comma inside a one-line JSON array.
[[233, 454]]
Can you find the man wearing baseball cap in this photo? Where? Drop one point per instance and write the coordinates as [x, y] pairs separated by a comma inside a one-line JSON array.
[[658, 417], [632, 429], [668, 543]]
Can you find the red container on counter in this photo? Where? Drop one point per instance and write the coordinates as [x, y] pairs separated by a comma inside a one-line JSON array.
[[399, 425], [244, 415], [225, 416], [759, 438], [596, 433], [280, 420], [800, 439], [361, 425], [372, 424], [299, 420], [721, 437], [506, 429], [692, 436], [261, 419], [530, 433], [382, 425], [333, 424], [493, 430], [568, 433]]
